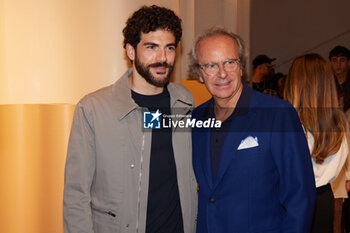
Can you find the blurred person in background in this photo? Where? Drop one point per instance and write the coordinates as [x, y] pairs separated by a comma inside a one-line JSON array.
[[262, 72], [339, 58], [281, 80], [311, 89]]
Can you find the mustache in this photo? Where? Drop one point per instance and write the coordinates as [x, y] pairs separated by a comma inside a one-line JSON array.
[[160, 64]]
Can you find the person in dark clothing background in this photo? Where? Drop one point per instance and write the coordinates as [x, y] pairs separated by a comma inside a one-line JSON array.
[[263, 73]]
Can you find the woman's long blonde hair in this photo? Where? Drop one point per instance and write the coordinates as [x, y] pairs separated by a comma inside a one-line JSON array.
[[310, 88]]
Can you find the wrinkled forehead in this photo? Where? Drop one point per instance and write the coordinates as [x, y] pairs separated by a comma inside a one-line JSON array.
[[212, 46], [213, 39]]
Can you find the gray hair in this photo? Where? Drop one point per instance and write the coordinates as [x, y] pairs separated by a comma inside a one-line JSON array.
[[193, 66]]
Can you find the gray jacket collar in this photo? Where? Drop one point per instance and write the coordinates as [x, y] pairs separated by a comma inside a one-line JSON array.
[[121, 92]]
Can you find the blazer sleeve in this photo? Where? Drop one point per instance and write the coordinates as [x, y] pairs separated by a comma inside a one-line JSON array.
[[293, 161], [79, 172]]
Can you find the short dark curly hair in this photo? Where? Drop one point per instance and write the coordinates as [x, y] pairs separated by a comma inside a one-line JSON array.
[[151, 18]]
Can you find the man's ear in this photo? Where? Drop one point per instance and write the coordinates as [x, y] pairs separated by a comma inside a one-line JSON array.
[[130, 51], [200, 78], [241, 71]]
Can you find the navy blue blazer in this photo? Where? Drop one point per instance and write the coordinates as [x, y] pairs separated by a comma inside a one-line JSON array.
[[264, 188]]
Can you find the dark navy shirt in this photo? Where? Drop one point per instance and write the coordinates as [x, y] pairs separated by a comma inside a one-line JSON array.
[[218, 135], [163, 207]]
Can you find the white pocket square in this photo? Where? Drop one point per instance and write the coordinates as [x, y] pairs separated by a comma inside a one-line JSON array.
[[248, 142]]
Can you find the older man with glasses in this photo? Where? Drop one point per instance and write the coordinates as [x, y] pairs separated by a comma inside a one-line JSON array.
[[254, 173]]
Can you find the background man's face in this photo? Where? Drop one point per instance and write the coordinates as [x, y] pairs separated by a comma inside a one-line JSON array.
[[154, 57], [217, 49], [340, 64], [265, 68]]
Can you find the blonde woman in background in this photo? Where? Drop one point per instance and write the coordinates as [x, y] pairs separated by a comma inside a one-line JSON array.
[[311, 89], [340, 188]]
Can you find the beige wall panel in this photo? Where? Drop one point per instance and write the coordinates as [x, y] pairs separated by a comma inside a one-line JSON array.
[[33, 144]]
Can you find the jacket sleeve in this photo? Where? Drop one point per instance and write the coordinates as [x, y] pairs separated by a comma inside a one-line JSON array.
[[293, 161], [79, 172]]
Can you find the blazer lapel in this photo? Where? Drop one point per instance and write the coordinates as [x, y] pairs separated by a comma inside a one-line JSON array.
[[238, 130], [205, 157], [203, 144]]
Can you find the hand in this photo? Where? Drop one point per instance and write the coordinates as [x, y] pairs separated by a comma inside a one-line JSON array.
[[347, 185]]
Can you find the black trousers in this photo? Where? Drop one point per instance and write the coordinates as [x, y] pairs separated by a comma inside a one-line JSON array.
[[346, 213], [324, 210]]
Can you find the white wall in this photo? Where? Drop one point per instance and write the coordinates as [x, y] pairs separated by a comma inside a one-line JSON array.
[[59, 50], [186, 12], [231, 14]]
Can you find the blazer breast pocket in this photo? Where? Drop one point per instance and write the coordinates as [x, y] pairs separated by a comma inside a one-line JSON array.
[[252, 156], [250, 151]]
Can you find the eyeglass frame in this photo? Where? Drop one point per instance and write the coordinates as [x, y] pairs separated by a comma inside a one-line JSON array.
[[235, 60]]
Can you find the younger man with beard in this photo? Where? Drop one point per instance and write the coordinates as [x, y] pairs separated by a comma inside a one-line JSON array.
[[119, 177]]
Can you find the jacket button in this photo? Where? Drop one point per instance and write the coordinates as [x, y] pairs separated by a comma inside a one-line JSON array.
[[212, 200], [132, 165]]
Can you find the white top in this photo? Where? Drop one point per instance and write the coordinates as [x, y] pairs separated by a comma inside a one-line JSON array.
[[328, 171]]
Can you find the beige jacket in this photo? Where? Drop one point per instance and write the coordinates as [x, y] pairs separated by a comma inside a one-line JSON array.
[[107, 167], [338, 186]]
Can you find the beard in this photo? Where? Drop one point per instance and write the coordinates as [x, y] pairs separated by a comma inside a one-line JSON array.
[[145, 72]]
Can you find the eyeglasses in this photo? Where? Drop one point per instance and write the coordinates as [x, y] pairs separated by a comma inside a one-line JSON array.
[[212, 69]]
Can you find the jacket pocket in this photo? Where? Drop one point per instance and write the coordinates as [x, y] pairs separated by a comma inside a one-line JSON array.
[[104, 211], [105, 220]]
